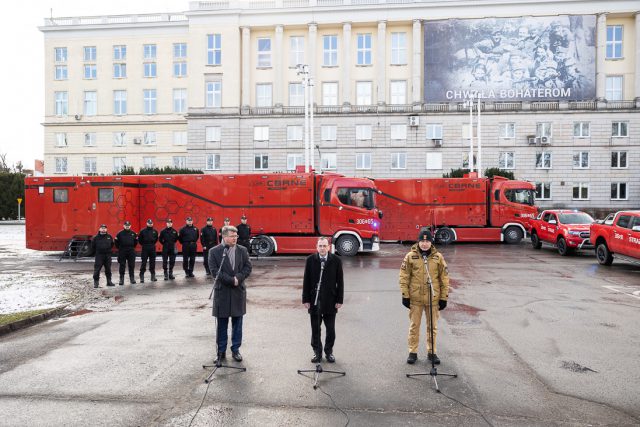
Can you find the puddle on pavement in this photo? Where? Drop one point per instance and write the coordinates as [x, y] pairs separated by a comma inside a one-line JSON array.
[[461, 314], [575, 367]]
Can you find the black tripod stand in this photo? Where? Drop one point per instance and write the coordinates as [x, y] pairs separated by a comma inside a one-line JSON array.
[[218, 363], [319, 370], [434, 371]]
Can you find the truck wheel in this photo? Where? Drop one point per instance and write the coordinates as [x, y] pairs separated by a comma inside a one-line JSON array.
[[562, 247], [445, 235], [535, 241], [512, 235], [347, 245], [603, 254], [262, 246]]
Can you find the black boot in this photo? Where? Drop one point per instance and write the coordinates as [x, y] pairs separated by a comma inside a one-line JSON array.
[[412, 358], [96, 284], [141, 277], [166, 275], [132, 279], [434, 357], [153, 276], [121, 282], [109, 282], [171, 276]]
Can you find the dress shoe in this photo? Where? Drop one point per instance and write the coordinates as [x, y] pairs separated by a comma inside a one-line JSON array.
[[166, 276], [317, 358], [141, 277], [412, 358], [330, 358], [96, 284], [434, 357], [222, 356], [110, 283], [237, 356], [191, 275], [132, 279], [121, 282], [171, 276]]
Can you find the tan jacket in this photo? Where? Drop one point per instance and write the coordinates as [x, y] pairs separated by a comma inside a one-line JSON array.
[[414, 278]]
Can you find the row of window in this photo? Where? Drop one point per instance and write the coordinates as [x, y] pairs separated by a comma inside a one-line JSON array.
[[363, 161], [120, 104], [119, 163], [121, 139], [364, 49], [580, 191]]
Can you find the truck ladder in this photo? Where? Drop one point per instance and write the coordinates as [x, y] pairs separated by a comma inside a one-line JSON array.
[[76, 247]]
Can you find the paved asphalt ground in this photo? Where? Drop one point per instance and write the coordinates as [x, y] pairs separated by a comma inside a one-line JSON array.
[[535, 338]]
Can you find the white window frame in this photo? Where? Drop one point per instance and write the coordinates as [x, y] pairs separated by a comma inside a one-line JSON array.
[[579, 158], [616, 159], [150, 70], [213, 94], [546, 157], [90, 71], [620, 129], [90, 139], [398, 92], [294, 160], [329, 161], [261, 133], [92, 162], [149, 51], [544, 129], [294, 133], [399, 48], [150, 101], [260, 161], [581, 130], [264, 95], [264, 49], [398, 131], [180, 50], [434, 161], [614, 88], [363, 161], [330, 93], [120, 139], [363, 49], [296, 94], [61, 139], [119, 102], [60, 54], [149, 138], [212, 162], [214, 49], [148, 162], [61, 106], [545, 190], [398, 161], [119, 163], [180, 100], [90, 106], [61, 72], [465, 160], [89, 53], [179, 69], [119, 70], [507, 130], [120, 52], [213, 133], [328, 132], [613, 43], [296, 50], [617, 186], [434, 131], [581, 186], [363, 132], [364, 93], [180, 137], [62, 165], [330, 52], [180, 162], [507, 160]]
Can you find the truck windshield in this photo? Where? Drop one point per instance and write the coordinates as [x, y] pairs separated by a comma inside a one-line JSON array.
[[575, 218], [358, 197], [522, 196]]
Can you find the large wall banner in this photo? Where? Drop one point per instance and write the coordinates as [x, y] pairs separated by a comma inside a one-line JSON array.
[[510, 59]]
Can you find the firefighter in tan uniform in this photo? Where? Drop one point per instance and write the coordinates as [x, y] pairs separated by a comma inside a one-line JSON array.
[[415, 283]]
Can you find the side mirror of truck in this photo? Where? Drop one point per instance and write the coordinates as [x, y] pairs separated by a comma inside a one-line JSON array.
[[380, 214], [553, 221], [636, 228]]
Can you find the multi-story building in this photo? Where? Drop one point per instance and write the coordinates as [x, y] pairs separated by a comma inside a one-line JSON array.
[[390, 81]]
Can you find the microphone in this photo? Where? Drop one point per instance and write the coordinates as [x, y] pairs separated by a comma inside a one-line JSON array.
[[424, 258], [322, 265]]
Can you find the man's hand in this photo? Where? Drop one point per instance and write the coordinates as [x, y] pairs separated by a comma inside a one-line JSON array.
[[338, 305], [307, 305], [442, 304], [406, 302], [235, 281]]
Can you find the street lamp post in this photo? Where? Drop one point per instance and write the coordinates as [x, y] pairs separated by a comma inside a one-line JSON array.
[[303, 70], [469, 103]]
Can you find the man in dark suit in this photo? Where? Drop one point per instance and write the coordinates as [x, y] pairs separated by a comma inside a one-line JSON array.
[[230, 293], [329, 266]]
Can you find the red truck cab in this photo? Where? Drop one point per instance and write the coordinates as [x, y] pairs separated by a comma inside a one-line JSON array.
[[617, 236], [567, 230]]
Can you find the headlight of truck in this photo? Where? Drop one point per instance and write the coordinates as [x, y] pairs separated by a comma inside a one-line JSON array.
[[376, 239]]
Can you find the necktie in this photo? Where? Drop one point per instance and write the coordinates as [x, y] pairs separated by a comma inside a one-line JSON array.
[[323, 259]]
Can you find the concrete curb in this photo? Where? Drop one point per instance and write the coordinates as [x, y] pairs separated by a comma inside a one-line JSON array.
[[30, 321]]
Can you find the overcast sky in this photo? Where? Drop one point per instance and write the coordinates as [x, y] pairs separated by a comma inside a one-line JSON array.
[[22, 69]]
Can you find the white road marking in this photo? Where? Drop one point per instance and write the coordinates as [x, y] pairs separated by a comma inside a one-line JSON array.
[[626, 291]]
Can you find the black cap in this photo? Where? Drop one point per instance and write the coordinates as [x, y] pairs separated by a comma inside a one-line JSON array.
[[189, 219], [425, 234], [149, 221], [227, 219], [127, 223], [103, 225], [169, 220], [243, 217], [209, 218]]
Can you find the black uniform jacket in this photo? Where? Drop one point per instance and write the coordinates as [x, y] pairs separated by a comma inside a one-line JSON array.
[[126, 239], [244, 231], [208, 236], [102, 243], [230, 300], [169, 237], [332, 289], [148, 236], [188, 234]]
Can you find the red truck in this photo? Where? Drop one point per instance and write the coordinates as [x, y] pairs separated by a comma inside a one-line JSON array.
[[567, 230], [617, 236], [286, 211], [469, 209]]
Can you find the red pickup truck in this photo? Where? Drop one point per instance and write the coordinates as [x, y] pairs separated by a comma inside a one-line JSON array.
[[618, 236], [567, 230]]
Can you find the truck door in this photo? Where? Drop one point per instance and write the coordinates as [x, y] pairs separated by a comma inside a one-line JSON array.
[[633, 241], [620, 233], [552, 228]]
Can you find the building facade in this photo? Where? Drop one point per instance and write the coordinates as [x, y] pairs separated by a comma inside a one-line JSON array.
[[219, 88]]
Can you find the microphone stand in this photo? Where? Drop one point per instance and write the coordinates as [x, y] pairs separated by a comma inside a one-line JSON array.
[[319, 370], [218, 363], [434, 371]]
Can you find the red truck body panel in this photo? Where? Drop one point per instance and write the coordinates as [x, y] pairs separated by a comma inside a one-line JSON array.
[[554, 227], [466, 205], [283, 206], [619, 237]]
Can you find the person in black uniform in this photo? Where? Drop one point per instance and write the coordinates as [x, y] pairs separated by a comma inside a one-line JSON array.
[[227, 221], [168, 239], [208, 239], [244, 233], [330, 298], [126, 241], [101, 245], [188, 236], [148, 239]]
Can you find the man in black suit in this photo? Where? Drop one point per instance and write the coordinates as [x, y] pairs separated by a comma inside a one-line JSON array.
[[329, 301], [230, 293]]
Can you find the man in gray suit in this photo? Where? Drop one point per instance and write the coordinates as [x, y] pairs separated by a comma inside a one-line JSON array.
[[230, 293]]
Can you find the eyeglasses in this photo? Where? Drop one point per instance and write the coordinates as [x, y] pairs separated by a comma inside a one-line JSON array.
[[233, 237]]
